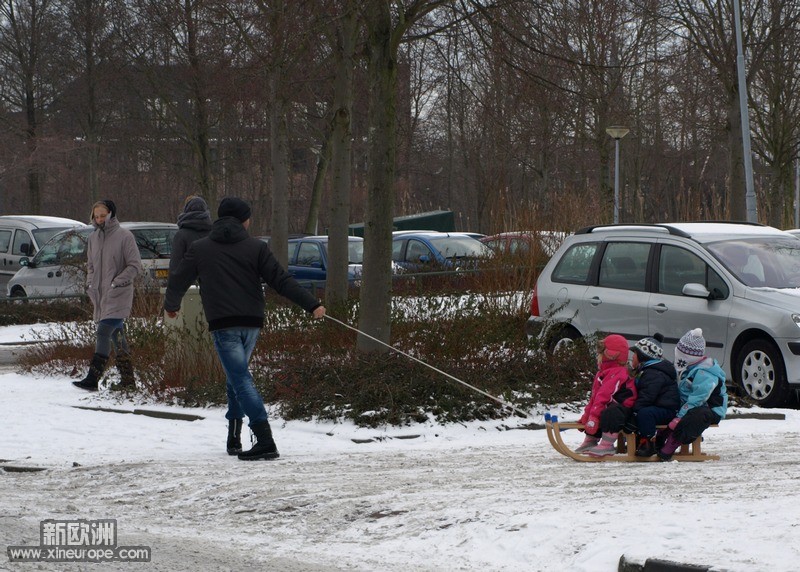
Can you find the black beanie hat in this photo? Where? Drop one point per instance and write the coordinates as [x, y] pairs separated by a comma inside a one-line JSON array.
[[235, 207]]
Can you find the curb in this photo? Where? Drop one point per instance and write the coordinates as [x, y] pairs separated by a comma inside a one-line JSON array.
[[656, 565]]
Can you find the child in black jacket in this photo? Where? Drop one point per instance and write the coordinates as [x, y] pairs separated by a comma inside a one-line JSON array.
[[657, 399]]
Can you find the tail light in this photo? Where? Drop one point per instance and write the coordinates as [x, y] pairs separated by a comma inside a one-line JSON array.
[[535, 303]]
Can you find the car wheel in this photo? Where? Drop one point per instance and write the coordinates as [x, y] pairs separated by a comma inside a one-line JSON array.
[[761, 373], [18, 293], [562, 338]]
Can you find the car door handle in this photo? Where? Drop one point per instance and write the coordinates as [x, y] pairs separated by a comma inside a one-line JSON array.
[[660, 308], [596, 301]]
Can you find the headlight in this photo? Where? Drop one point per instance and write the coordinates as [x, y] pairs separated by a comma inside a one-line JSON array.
[[796, 319]]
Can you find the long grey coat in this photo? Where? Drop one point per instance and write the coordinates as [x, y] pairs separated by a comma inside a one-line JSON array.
[[113, 265]]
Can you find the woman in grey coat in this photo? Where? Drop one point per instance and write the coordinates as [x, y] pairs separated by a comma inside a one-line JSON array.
[[113, 263]]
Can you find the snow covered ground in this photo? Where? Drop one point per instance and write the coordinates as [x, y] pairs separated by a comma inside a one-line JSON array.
[[481, 496]]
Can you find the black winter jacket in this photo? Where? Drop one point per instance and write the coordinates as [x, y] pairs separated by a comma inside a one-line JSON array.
[[188, 232], [657, 385], [230, 265]]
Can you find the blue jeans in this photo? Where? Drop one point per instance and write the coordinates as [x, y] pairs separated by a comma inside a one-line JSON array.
[[234, 347], [111, 332]]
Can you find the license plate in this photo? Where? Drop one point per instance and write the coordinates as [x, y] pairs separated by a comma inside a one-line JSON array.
[[162, 273]]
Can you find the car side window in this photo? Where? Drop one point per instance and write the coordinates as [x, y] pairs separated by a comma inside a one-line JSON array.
[[678, 267], [309, 255], [575, 264], [518, 246], [22, 238], [5, 240], [624, 266], [415, 250], [397, 250]]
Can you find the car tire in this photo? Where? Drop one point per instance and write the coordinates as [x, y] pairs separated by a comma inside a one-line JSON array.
[[761, 373], [18, 293], [561, 337]]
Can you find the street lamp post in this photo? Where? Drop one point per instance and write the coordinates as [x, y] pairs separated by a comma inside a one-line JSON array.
[[617, 132]]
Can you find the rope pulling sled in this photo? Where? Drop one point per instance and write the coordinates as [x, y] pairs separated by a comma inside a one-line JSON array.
[[626, 443]]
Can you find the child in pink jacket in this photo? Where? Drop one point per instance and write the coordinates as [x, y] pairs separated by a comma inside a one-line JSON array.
[[613, 395]]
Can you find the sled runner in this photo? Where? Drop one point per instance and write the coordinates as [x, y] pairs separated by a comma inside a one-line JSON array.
[[626, 446]]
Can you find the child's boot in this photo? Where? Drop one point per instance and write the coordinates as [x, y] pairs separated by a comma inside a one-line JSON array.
[[588, 442], [646, 447], [607, 446], [670, 446]]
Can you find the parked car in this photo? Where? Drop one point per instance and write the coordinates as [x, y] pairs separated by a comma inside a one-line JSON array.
[[525, 242], [308, 258], [432, 250], [23, 236], [59, 268], [738, 282]]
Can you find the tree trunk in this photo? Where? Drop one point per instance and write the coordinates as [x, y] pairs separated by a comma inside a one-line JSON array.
[[376, 291], [341, 140], [279, 167]]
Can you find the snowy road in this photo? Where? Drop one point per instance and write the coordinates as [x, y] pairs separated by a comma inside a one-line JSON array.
[[452, 498]]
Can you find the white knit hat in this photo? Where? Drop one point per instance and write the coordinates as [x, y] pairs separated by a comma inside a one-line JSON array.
[[690, 350]]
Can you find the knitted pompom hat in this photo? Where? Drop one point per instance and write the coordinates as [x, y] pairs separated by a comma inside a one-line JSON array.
[[649, 348], [691, 349]]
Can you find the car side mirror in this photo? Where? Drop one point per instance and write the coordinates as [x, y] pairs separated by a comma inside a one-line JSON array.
[[26, 248], [424, 258], [24, 261], [696, 290]]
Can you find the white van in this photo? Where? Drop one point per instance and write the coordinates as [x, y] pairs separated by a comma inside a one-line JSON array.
[[24, 235], [59, 269]]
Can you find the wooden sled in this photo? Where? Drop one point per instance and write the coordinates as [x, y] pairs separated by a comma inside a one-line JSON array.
[[626, 446]]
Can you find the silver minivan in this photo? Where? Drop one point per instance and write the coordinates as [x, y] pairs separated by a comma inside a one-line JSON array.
[[59, 268], [739, 282], [23, 236]]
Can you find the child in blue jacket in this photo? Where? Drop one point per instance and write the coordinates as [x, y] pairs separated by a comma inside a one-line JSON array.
[[704, 398]]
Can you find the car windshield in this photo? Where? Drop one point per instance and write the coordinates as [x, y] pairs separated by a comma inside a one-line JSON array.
[[769, 261], [461, 247], [44, 234], [155, 242], [355, 251], [66, 248]]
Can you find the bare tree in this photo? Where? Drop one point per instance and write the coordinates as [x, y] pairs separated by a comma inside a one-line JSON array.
[[29, 32], [386, 24]]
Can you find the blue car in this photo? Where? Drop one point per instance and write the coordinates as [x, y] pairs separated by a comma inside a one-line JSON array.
[[308, 259], [416, 251]]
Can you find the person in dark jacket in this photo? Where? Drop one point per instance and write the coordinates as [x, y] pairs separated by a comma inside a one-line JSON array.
[[193, 223], [230, 265], [113, 263], [657, 398]]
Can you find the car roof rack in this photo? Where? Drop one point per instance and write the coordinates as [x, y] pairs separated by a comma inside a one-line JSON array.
[[669, 228]]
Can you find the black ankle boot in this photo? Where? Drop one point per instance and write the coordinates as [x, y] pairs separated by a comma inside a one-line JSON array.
[[265, 446], [646, 448], [96, 369], [234, 436]]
